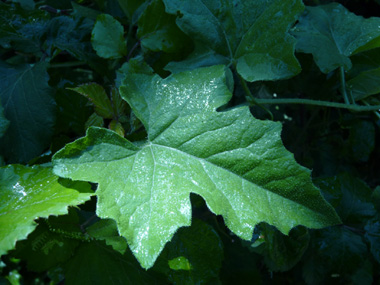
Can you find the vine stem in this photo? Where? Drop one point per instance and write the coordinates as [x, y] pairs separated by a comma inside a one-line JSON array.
[[348, 106], [343, 86], [254, 101]]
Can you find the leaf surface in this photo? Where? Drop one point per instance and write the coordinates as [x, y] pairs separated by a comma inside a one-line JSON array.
[[4, 123], [332, 34], [254, 34], [108, 37], [31, 192], [235, 162], [30, 108]]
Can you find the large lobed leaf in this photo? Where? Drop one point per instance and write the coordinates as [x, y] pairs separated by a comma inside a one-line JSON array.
[[252, 33], [235, 162], [27, 193]]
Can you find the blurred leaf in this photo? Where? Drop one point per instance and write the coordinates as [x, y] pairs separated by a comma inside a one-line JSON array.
[[108, 37], [129, 7], [31, 192], [45, 249], [4, 123], [252, 34], [189, 259], [362, 140], [373, 236], [30, 108], [117, 128], [333, 251], [282, 252], [349, 196], [26, 4], [158, 30], [22, 29], [332, 34], [109, 265]]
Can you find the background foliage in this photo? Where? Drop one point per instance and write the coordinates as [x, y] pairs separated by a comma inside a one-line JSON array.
[[173, 113]]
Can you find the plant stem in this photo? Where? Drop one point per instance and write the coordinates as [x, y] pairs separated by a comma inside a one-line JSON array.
[[252, 99], [348, 106], [343, 85]]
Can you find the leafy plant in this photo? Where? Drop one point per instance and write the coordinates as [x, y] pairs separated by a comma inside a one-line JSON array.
[[169, 142]]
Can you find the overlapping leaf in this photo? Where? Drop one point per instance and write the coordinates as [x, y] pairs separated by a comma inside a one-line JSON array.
[[235, 162], [332, 34], [29, 106], [28, 193], [252, 33]]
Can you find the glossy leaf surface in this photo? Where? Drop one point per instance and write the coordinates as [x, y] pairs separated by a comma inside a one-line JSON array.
[[332, 34], [252, 34], [28, 193], [235, 162], [29, 106]]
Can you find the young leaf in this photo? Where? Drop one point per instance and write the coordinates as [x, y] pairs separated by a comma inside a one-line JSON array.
[[31, 192], [97, 95], [235, 162], [332, 34], [108, 37], [29, 106], [252, 33]]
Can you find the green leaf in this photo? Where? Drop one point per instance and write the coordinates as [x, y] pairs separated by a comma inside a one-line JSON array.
[[365, 84], [22, 29], [281, 252], [349, 196], [373, 236], [26, 4], [158, 31], [97, 95], [362, 140], [235, 162], [4, 123], [31, 192], [332, 34], [254, 34], [130, 7], [189, 259], [107, 230], [97, 263], [30, 108], [108, 37], [334, 250], [45, 249]]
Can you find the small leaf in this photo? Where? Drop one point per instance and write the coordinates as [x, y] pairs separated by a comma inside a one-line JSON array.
[[107, 230], [94, 121], [332, 34], [31, 192], [108, 37], [30, 108], [234, 161], [117, 128], [179, 263], [96, 94], [118, 104]]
